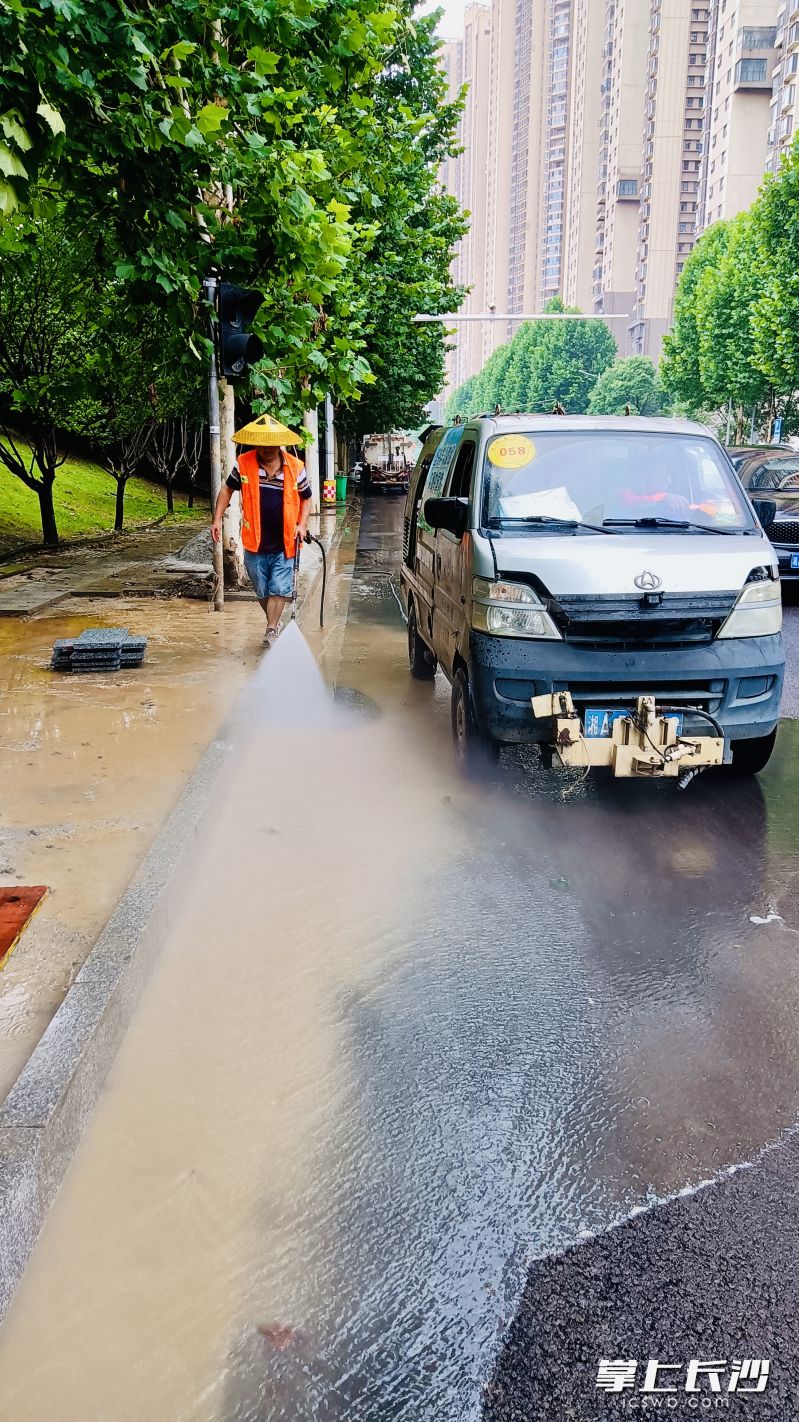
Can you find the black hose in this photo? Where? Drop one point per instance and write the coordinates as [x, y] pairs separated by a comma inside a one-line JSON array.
[[309, 538], [695, 711]]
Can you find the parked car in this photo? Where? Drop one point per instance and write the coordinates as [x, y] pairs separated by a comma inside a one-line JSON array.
[[772, 472], [585, 565]]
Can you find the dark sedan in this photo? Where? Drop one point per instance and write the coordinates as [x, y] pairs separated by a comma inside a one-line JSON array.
[[772, 472]]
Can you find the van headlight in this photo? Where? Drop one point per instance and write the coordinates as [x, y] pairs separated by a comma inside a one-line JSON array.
[[510, 610], [757, 612]]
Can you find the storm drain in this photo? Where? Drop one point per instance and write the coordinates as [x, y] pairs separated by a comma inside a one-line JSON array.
[[99, 649]]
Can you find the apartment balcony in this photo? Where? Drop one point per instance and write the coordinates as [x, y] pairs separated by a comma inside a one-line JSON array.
[[627, 189], [756, 39], [754, 72]]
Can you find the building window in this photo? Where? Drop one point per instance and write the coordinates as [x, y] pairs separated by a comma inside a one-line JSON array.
[[750, 71]]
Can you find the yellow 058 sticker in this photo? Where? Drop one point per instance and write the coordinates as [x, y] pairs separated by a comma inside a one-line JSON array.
[[511, 451]]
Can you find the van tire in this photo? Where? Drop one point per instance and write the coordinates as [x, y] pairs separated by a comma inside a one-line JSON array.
[[421, 660], [751, 756], [474, 752]]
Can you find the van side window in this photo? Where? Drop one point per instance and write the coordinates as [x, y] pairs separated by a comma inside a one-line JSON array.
[[412, 508], [461, 480]]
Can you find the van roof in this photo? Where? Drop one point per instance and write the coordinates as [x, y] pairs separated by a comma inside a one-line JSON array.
[[643, 424]]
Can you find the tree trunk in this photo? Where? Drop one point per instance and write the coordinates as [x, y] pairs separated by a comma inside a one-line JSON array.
[[170, 502], [47, 510], [119, 512], [191, 493]]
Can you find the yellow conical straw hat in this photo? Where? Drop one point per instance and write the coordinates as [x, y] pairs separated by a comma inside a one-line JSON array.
[[264, 431]]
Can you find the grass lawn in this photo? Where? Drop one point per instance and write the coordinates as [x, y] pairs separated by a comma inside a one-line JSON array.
[[84, 497]]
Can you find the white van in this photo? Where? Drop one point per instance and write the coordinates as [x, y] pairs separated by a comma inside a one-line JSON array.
[[599, 585]]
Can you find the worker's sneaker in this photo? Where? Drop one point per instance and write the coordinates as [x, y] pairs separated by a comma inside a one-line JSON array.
[[270, 637]]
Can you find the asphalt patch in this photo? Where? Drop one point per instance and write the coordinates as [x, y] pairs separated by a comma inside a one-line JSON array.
[[714, 1275]]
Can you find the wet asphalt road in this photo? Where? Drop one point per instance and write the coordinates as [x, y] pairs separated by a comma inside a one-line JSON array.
[[658, 897], [394, 1133]]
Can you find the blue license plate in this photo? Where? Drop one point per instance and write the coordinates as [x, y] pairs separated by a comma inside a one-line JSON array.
[[598, 721], [794, 561]]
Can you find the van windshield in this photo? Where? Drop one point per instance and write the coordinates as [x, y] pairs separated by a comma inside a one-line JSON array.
[[610, 479]]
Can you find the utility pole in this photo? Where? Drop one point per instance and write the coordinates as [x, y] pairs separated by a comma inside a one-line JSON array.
[[330, 435], [215, 444], [310, 421]]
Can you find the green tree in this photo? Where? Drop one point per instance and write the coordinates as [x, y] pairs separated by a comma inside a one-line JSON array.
[[248, 137], [516, 380], [631, 383], [461, 401], [402, 263], [46, 291], [681, 366], [775, 308], [566, 362], [489, 385], [726, 300]]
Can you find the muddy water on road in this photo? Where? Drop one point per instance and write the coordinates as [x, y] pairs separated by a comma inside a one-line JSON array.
[[406, 1034]]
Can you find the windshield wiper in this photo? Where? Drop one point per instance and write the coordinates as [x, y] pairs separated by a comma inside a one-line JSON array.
[[669, 523], [547, 521]]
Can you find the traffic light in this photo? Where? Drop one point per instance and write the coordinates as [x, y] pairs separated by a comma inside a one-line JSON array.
[[239, 348]]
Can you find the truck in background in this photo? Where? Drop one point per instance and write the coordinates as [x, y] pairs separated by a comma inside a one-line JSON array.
[[387, 461]]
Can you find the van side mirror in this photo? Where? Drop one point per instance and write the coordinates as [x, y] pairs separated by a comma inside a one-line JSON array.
[[449, 514], [766, 510]]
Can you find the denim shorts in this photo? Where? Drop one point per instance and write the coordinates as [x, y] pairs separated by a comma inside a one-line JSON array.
[[271, 574]]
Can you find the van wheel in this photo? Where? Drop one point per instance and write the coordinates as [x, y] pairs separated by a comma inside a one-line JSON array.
[[421, 660], [750, 757], [473, 751]]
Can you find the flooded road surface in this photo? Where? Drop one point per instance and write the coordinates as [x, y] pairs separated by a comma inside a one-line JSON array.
[[406, 1035], [89, 768]]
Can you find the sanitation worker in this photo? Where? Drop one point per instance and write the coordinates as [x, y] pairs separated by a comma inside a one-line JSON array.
[[275, 507]]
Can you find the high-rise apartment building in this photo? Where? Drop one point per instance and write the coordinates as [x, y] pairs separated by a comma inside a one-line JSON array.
[[610, 133], [467, 61], [741, 58], [582, 152], [784, 121], [671, 163], [555, 136], [625, 45], [507, 147], [451, 57]]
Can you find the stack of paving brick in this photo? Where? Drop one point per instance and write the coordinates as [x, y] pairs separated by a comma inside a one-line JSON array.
[[99, 649]]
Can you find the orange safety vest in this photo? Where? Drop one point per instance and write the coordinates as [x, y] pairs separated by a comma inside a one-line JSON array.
[[249, 472]]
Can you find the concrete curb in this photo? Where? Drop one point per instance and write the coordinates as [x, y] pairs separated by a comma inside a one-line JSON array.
[[44, 1114]]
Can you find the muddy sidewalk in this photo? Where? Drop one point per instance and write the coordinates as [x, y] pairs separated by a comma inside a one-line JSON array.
[[91, 766]]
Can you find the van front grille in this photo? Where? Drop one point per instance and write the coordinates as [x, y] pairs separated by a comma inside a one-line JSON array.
[[706, 694], [629, 623]]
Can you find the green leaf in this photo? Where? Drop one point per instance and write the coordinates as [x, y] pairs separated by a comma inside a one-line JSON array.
[[211, 117], [9, 201], [10, 164], [180, 51], [13, 129], [264, 60], [51, 117]]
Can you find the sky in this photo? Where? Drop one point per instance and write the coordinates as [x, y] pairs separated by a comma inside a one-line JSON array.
[[451, 23]]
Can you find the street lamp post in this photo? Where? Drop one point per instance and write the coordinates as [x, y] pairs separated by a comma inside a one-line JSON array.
[[215, 444]]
